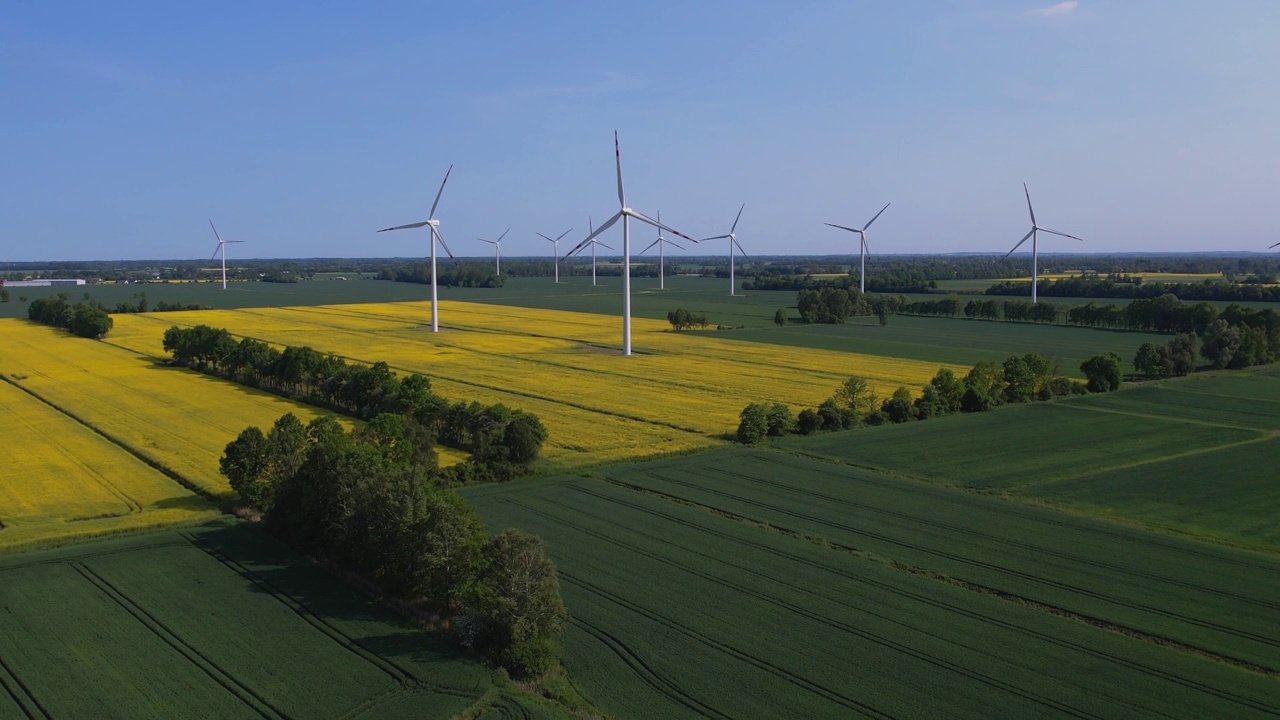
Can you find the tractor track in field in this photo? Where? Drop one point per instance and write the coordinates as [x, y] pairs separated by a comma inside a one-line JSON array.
[[226, 680], [21, 694], [925, 599], [1024, 576]]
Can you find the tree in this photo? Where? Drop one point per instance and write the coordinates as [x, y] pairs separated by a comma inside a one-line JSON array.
[[1020, 381], [899, 406], [523, 437], [809, 421], [882, 312], [780, 317], [90, 322], [1104, 372], [245, 463], [1151, 362], [857, 395], [836, 416], [4, 295], [1221, 341], [446, 552], [983, 388], [780, 420], [518, 601], [753, 424], [1182, 354]]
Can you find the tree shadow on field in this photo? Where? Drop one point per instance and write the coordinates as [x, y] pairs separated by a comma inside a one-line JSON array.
[[337, 606]]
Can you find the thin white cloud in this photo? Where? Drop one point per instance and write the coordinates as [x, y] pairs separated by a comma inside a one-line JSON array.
[[1060, 9]]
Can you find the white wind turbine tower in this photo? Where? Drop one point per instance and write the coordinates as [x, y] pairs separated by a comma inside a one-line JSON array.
[[497, 251], [594, 243], [1035, 251], [555, 249], [625, 213], [662, 259], [863, 250], [222, 248], [733, 240], [434, 224]]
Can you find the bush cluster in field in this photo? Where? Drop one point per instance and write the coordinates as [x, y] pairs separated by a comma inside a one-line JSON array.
[[84, 319], [366, 500], [1020, 379]]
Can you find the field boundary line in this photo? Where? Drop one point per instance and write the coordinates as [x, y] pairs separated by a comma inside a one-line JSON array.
[[963, 584], [228, 681], [30, 698], [1153, 416], [148, 461]]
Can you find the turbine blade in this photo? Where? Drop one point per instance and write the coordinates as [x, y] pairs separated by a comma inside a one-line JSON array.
[[1055, 232], [734, 229], [215, 231], [491, 242], [440, 192], [852, 230], [617, 154], [606, 247], [886, 207], [544, 237], [1028, 194], [645, 218], [504, 234], [591, 226], [215, 252], [646, 249], [607, 224], [672, 244], [865, 247], [1024, 239], [1274, 246], [240, 241], [410, 226], [744, 252], [440, 237], [717, 237], [566, 232]]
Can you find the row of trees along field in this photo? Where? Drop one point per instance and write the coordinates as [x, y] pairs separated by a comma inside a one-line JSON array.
[[502, 442], [1020, 379], [83, 318], [366, 501], [1100, 287]]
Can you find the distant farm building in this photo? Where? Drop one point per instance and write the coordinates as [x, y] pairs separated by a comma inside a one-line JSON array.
[[43, 283]]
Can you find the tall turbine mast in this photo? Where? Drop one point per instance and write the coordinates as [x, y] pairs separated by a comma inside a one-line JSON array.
[[625, 214], [555, 249], [222, 248], [497, 251], [434, 224], [1033, 234], [733, 241], [863, 249]]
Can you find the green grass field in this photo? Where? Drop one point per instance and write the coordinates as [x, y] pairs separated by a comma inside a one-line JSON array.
[[215, 622], [682, 612], [1193, 454]]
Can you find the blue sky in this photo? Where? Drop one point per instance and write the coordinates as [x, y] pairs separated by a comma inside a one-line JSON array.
[[303, 127]]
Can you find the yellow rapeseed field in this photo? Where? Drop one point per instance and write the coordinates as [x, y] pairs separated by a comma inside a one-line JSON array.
[[678, 392], [62, 480], [176, 418]]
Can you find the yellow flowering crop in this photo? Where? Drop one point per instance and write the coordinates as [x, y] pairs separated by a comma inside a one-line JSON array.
[[678, 392], [63, 480], [176, 418]]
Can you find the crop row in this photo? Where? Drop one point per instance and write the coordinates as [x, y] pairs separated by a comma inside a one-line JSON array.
[[1203, 596], [680, 613]]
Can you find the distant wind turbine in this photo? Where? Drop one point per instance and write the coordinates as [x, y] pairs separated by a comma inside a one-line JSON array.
[[594, 243], [555, 249], [497, 251], [434, 224], [1033, 235], [625, 213], [662, 260], [863, 250], [222, 248], [733, 241]]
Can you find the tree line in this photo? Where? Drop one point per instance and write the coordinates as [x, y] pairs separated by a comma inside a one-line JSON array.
[[1019, 379], [472, 275], [85, 319], [502, 442], [1111, 287], [365, 500]]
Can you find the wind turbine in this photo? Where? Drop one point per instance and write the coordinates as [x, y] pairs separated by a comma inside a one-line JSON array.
[[863, 250], [625, 213], [555, 249], [434, 224], [594, 243], [222, 248], [1033, 234], [497, 251], [662, 260], [733, 240]]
